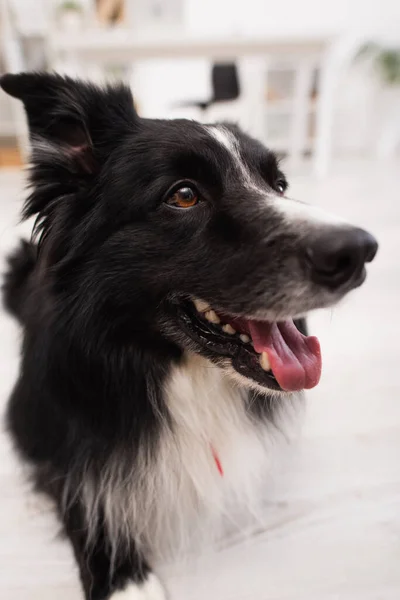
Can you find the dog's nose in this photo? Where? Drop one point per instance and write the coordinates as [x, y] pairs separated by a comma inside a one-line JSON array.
[[338, 256]]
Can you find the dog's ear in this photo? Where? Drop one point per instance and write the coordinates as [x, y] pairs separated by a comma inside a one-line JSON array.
[[72, 124]]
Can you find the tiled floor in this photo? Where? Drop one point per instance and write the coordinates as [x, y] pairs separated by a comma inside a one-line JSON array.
[[332, 521]]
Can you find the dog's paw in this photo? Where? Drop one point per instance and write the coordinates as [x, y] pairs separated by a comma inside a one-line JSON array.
[[150, 589]]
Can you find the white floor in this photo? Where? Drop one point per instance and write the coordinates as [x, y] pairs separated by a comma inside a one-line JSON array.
[[332, 522]]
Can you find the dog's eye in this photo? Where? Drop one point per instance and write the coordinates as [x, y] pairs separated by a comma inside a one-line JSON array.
[[281, 186], [184, 197]]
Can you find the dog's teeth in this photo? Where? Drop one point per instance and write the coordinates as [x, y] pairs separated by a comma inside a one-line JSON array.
[[201, 305], [245, 338], [212, 317], [264, 361], [228, 329]]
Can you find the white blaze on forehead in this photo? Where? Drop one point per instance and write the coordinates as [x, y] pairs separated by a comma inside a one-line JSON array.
[[300, 212], [292, 210], [227, 139]]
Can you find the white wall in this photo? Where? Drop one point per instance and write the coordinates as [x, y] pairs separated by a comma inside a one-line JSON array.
[[249, 16]]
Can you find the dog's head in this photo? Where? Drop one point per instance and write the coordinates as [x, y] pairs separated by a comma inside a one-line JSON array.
[[181, 231]]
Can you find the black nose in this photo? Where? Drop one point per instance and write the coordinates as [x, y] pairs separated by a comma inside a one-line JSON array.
[[338, 256]]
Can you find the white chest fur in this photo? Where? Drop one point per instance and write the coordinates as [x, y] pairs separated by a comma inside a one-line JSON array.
[[174, 498], [211, 431]]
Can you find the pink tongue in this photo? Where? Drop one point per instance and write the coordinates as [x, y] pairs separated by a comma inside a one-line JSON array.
[[294, 358]]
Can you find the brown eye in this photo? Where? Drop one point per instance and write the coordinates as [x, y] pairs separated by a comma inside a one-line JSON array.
[[184, 197]]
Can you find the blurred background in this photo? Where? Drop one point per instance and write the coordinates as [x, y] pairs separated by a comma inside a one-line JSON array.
[[313, 82], [319, 82]]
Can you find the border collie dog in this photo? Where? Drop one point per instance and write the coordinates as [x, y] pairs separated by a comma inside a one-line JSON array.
[[162, 301]]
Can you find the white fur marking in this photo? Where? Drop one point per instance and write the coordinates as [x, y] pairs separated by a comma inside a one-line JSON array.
[[150, 589], [209, 412], [227, 139], [300, 212], [293, 210]]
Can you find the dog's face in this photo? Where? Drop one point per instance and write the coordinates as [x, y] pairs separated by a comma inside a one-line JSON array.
[[185, 230]]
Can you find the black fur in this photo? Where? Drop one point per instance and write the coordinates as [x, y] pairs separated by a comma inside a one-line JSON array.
[[16, 281]]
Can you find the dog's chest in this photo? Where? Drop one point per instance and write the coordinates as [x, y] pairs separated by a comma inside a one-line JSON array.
[[214, 452], [210, 418], [208, 470]]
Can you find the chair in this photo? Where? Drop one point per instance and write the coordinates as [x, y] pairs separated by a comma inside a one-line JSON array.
[[225, 87]]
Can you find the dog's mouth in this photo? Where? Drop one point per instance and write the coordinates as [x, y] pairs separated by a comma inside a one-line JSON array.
[[275, 355]]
